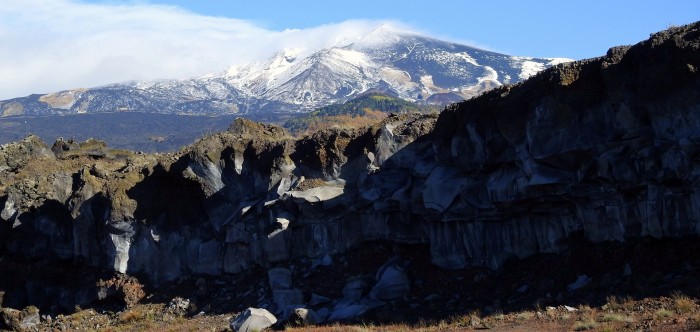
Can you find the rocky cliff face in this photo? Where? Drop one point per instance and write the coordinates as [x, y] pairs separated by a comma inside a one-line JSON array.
[[606, 148]]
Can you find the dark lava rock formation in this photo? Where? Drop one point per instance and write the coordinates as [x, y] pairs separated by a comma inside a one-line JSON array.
[[606, 148]]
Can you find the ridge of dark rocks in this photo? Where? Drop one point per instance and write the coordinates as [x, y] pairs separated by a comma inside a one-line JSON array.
[[603, 150]]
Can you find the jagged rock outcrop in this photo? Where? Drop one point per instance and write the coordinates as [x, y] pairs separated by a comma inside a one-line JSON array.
[[16, 155], [607, 148]]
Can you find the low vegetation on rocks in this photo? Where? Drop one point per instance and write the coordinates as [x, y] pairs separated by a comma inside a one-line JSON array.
[[365, 110]]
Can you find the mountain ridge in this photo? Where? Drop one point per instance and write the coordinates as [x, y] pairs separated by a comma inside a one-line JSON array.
[[413, 66]]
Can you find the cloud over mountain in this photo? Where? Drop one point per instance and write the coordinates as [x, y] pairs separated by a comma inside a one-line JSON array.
[[50, 45]]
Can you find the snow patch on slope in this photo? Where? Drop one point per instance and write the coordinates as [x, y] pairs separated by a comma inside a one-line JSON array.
[[529, 68], [299, 79]]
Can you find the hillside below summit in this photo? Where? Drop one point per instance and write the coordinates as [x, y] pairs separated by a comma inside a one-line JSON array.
[[411, 66]]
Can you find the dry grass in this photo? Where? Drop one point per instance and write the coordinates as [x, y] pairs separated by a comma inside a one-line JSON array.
[[370, 327], [612, 318], [462, 320], [370, 118], [525, 315], [628, 303], [683, 303], [695, 322], [616, 318], [615, 303], [585, 325], [153, 318], [663, 313], [81, 314], [131, 316], [471, 319]]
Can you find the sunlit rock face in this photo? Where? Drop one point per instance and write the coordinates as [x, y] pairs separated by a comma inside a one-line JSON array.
[[605, 148]]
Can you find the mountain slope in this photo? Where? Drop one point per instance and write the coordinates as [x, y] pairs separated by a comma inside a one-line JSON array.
[[414, 67], [366, 109]]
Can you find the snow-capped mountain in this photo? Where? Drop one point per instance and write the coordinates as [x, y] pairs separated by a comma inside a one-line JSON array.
[[409, 65]]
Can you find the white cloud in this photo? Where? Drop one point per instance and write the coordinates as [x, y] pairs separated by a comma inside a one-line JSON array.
[[52, 45]]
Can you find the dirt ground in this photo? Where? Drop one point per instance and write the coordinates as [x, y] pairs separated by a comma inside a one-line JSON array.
[[646, 285]]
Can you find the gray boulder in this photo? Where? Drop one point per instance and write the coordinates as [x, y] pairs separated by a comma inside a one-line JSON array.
[[17, 320], [30, 321], [10, 318], [252, 319], [284, 298], [355, 288], [179, 306], [280, 278], [392, 281], [348, 312], [304, 317]]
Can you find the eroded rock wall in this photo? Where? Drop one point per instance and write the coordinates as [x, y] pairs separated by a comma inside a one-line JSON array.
[[605, 147]]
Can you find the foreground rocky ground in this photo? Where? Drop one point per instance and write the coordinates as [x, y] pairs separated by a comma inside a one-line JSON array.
[[643, 286]]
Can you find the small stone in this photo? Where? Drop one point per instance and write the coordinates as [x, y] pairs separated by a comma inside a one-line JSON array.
[[680, 320]]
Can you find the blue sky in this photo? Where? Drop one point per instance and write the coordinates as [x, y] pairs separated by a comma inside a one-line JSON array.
[[541, 28], [53, 45]]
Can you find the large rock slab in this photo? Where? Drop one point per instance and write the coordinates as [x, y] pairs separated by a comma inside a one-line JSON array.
[[392, 282], [252, 320]]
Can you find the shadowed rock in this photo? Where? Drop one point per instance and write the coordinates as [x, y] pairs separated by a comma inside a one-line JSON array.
[[606, 147]]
